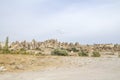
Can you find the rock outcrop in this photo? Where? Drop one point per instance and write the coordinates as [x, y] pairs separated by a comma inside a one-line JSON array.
[[47, 46]]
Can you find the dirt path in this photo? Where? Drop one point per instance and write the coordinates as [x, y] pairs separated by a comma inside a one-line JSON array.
[[75, 69]]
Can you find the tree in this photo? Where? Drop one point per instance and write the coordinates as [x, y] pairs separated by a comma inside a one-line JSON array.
[[6, 45], [0, 46]]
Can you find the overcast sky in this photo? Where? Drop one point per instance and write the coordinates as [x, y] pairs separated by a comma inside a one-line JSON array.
[[84, 21]]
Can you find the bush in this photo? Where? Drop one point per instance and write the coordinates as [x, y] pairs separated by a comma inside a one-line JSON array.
[[96, 54], [1, 52], [4, 51], [59, 52], [83, 53], [119, 54], [21, 51], [73, 49]]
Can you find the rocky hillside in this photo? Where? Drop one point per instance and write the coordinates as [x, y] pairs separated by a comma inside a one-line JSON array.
[[47, 46]]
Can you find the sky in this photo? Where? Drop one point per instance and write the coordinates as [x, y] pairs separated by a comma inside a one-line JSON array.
[[83, 21]]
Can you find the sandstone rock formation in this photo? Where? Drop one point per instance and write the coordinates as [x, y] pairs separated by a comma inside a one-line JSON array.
[[47, 46]]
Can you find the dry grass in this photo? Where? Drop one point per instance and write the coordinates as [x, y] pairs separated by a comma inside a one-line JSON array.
[[18, 62], [15, 62]]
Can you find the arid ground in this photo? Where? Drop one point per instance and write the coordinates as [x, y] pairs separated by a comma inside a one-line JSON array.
[[29, 67]]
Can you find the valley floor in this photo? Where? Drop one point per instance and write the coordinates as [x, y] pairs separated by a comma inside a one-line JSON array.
[[61, 68]]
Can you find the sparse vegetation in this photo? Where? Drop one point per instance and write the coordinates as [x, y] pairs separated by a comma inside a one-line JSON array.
[[96, 54], [5, 49], [64, 49], [59, 52], [6, 43], [83, 53], [21, 51], [119, 54], [73, 49]]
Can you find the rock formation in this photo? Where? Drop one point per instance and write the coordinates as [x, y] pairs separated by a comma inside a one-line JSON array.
[[47, 46]]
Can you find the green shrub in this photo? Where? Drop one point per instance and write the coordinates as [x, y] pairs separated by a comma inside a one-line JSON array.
[[1, 52], [83, 53], [73, 49], [4, 51], [96, 54], [21, 51], [119, 54], [59, 52]]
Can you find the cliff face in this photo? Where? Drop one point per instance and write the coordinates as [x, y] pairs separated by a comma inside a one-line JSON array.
[[48, 45]]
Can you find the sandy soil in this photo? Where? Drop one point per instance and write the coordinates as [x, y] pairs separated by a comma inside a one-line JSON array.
[[72, 68]]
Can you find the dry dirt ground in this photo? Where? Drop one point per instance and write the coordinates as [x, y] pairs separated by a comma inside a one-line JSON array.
[[28, 67]]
